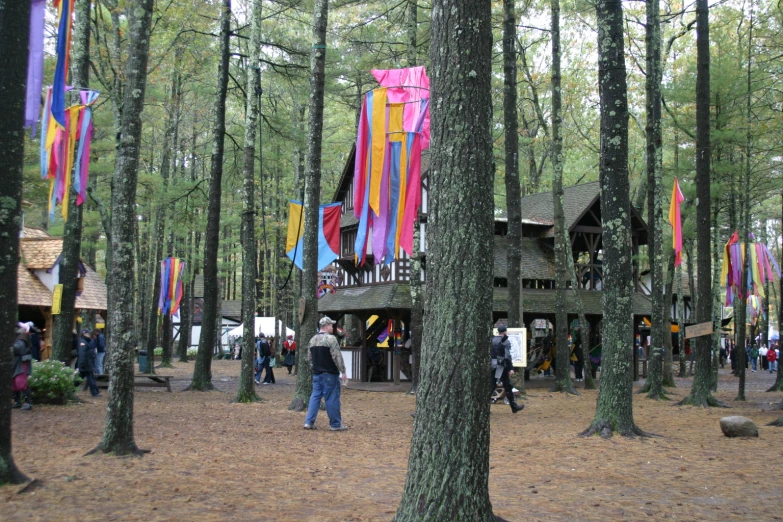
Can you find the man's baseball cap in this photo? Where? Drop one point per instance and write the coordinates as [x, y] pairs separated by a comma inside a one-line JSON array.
[[326, 320]]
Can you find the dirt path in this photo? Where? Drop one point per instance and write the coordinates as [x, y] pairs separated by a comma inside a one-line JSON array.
[[211, 460]]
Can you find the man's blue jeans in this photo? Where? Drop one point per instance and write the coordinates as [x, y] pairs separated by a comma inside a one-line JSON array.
[[326, 385]]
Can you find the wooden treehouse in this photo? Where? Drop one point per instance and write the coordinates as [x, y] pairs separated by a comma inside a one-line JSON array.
[[383, 291]]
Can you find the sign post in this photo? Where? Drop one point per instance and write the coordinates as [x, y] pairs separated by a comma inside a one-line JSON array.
[[698, 330]]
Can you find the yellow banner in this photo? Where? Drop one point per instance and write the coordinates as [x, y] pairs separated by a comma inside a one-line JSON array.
[[57, 297]]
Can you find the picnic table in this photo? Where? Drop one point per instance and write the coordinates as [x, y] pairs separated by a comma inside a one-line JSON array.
[[140, 380]]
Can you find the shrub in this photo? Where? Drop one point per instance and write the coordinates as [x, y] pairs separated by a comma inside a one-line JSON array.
[[52, 381]]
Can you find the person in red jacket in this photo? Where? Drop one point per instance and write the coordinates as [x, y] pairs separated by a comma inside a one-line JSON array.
[[772, 359], [289, 352]]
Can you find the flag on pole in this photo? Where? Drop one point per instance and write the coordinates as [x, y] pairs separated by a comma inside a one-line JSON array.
[[676, 222]]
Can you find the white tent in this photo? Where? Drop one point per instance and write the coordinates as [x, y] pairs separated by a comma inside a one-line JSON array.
[[263, 324]]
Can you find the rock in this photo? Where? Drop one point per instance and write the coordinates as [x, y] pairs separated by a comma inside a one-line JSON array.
[[737, 426]]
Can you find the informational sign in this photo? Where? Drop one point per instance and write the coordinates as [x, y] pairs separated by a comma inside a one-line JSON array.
[[698, 330], [518, 339], [57, 297]]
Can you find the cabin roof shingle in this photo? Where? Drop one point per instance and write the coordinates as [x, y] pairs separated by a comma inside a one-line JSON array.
[[396, 296], [30, 290], [40, 253], [537, 261], [543, 301]]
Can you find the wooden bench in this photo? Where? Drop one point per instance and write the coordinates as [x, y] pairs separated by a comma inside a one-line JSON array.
[[140, 380]]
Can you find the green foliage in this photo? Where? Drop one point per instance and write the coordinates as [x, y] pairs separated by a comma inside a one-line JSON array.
[[52, 381]]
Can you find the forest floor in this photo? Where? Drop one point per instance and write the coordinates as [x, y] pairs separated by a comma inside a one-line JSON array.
[[213, 460]]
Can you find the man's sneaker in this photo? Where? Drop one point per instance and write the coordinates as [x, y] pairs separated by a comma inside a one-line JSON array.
[[309, 427], [257, 381], [517, 407], [19, 404], [27, 406], [341, 427]]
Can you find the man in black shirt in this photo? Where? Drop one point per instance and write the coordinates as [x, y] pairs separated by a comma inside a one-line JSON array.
[[327, 363]]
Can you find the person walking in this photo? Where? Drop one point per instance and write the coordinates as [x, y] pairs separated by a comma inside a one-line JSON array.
[[502, 368], [263, 355], [23, 361], [754, 357], [579, 362], [100, 350], [328, 367], [772, 359], [86, 361], [289, 353]]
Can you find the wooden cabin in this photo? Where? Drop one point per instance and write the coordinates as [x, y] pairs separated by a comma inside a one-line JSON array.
[[384, 290], [39, 271]]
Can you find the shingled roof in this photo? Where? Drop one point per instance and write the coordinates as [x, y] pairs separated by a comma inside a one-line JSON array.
[[542, 301], [31, 291], [395, 296], [539, 208], [93, 297], [34, 233], [40, 253], [537, 260]]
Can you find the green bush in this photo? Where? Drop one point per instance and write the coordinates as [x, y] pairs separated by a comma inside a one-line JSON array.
[[52, 381]]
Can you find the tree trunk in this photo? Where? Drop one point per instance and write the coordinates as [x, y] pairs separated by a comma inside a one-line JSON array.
[[668, 377], [118, 433], [451, 429], [312, 183], [202, 372], [246, 392], [681, 324], [700, 394], [562, 243], [14, 36], [417, 312], [654, 384], [778, 386], [62, 338], [614, 408], [511, 140], [717, 305]]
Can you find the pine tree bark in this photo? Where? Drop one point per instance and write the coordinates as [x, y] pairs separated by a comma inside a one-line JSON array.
[[700, 394], [668, 376], [614, 408], [562, 244], [511, 141], [62, 336], [14, 36], [118, 433], [312, 190], [654, 384], [202, 371], [451, 429], [246, 391], [417, 298]]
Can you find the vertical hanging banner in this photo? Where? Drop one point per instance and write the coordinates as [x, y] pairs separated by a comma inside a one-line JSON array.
[[676, 222], [328, 233], [57, 298], [170, 296], [63, 163], [394, 128]]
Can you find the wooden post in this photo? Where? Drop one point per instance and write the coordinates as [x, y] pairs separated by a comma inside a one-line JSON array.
[[396, 357], [363, 357]]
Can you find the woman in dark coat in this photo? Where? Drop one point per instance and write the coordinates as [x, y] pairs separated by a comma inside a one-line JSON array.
[[23, 366]]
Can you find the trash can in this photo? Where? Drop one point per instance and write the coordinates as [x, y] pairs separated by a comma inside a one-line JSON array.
[[143, 361]]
